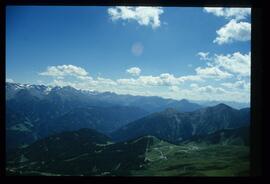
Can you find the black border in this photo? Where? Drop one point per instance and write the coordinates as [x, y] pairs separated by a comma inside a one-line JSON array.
[[190, 3], [256, 93], [256, 87]]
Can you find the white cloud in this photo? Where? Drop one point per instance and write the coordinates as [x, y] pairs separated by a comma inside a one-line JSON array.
[[62, 83], [9, 80], [193, 85], [190, 78], [212, 72], [208, 92], [142, 81], [238, 85], [130, 81], [84, 77], [164, 79], [236, 63], [150, 80], [204, 55], [137, 49], [64, 70], [135, 71], [230, 13], [210, 89], [233, 31], [105, 81], [166, 85], [225, 66], [169, 79], [174, 89], [146, 16]]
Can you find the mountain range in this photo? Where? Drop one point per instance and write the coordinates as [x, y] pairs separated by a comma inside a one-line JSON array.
[[94, 98], [36, 111], [174, 126], [65, 131]]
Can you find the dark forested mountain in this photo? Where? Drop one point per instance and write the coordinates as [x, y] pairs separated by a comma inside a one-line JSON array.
[[175, 126], [23, 129], [82, 152], [236, 136], [103, 119], [220, 117], [169, 125], [87, 152]]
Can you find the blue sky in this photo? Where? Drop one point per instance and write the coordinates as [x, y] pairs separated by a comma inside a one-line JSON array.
[[194, 53]]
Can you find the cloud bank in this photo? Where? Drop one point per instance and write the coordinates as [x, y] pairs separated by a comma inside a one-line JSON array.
[[224, 77]]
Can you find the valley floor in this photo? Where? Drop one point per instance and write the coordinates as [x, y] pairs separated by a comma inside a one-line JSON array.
[[196, 160]]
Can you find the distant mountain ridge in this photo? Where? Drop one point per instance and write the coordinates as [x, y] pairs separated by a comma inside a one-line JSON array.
[[41, 91], [102, 119], [174, 126], [148, 103], [236, 105]]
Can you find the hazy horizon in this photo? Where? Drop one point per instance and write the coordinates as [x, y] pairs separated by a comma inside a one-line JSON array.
[[190, 100]]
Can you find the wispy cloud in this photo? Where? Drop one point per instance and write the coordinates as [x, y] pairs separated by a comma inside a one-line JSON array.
[[9, 80], [145, 16], [203, 55], [135, 71]]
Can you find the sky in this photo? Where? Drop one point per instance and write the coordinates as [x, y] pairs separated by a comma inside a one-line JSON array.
[[173, 52]]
